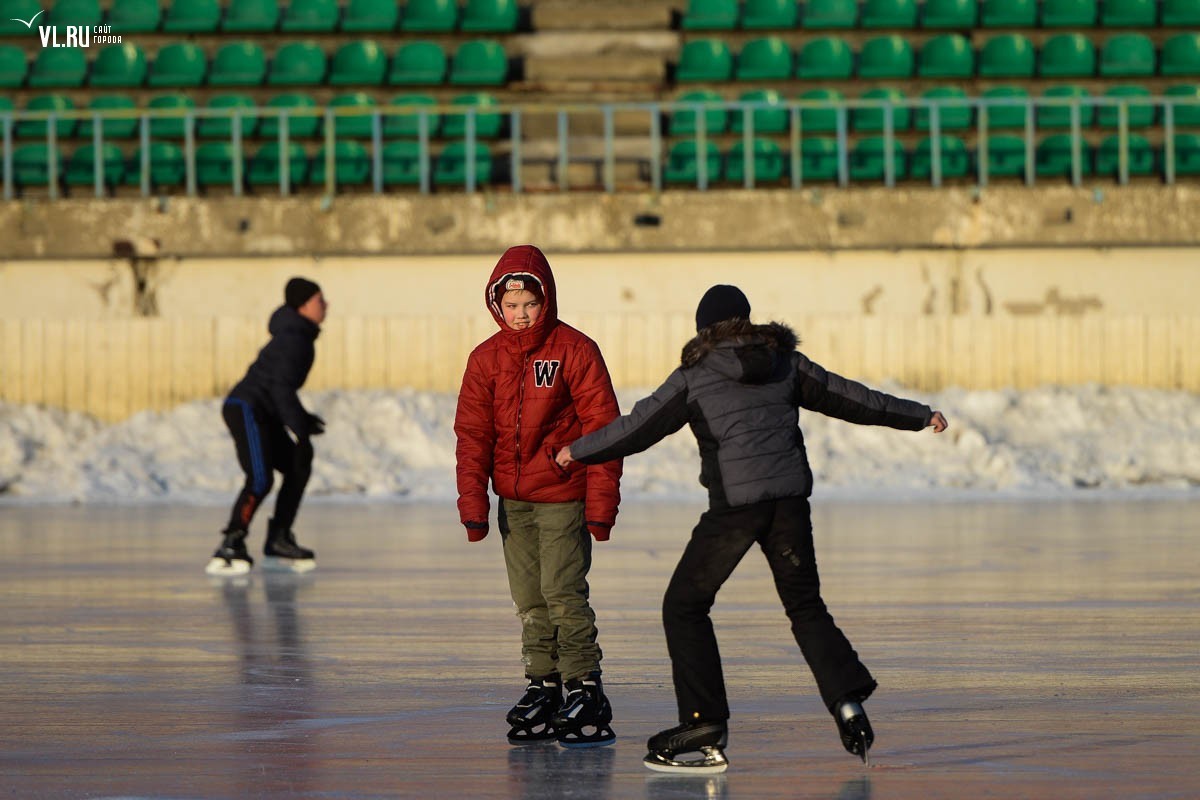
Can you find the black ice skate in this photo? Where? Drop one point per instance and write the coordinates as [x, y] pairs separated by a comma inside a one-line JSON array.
[[532, 718], [283, 554], [706, 738], [854, 728], [583, 720], [231, 557]]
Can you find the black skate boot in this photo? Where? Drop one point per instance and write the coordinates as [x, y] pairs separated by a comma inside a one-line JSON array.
[[706, 738], [854, 728], [283, 554], [231, 557], [532, 718], [583, 720]]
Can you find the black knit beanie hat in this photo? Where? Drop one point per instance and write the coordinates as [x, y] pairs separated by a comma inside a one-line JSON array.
[[720, 303], [299, 291]]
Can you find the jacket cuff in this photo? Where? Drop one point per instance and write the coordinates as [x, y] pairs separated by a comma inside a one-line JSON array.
[[599, 530], [476, 531]]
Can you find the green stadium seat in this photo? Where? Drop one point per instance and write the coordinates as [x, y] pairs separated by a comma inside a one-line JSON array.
[[1129, 14], [710, 15], [1053, 157], [1186, 115], [192, 16], [1068, 13], [830, 14], [1009, 55], [310, 16], [868, 160], [1005, 156], [820, 120], [429, 16], [238, 64], [766, 161], [134, 16], [450, 168], [81, 167], [947, 56], [1009, 13], [36, 128], [20, 10], [683, 120], [74, 12], [1006, 115], [119, 66], [181, 64], [1127, 55], [487, 124], [954, 114], [221, 127], [1059, 115], [818, 159], [871, 120], [170, 126], [768, 59], [886, 57], [1176, 13], [890, 14], [302, 116], [769, 14], [683, 163], [949, 14], [58, 67], [704, 60], [418, 63], [1067, 55], [1181, 55], [1187, 154], [955, 160], [402, 163], [827, 58], [490, 16], [1141, 156], [408, 125], [31, 164], [1141, 111], [360, 63], [167, 167], [297, 64], [355, 126], [479, 63], [111, 127], [251, 16], [12, 67], [371, 16], [263, 168], [773, 119], [214, 164]]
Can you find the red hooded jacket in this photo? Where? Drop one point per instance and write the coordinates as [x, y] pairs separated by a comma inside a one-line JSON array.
[[525, 395]]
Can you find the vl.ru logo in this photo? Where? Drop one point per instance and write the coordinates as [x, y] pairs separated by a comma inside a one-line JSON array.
[[73, 35]]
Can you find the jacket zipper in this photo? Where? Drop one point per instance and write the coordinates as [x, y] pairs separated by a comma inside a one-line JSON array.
[[520, 407]]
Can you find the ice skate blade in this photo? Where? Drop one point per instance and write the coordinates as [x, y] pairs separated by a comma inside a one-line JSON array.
[[297, 566], [227, 569], [713, 762]]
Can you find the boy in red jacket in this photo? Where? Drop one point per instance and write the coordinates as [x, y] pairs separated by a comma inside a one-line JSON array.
[[533, 387]]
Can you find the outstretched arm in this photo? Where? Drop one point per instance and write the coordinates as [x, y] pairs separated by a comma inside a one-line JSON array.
[[651, 419], [817, 389]]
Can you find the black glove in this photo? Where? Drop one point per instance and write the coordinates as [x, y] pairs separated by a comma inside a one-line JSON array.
[[316, 425]]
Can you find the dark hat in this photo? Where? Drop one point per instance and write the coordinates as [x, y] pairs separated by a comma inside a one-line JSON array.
[[720, 303], [519, 281], [299, 291]]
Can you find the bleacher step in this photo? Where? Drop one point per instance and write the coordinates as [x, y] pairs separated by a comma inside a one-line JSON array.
[[575, 15], [609, 68]]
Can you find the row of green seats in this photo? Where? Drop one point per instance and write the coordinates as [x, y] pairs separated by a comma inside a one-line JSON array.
[[945, 56], [1006, 157], [1006, 108], [215, 164], [266, 16], [304, 118], [183, 64], [708, 15]]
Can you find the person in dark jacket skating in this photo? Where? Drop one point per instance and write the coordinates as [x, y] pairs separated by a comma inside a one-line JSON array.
[[739, 386], [272, 431]]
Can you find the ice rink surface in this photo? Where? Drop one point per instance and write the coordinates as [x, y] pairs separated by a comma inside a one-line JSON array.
[[1023, 649]]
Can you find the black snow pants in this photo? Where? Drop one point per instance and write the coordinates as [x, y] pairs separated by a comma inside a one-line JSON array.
[[263, 447]]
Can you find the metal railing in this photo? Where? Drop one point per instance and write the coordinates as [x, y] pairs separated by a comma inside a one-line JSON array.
[[651, 161]]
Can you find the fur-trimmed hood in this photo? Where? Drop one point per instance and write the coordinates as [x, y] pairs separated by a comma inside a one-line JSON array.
[[746, 352]]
